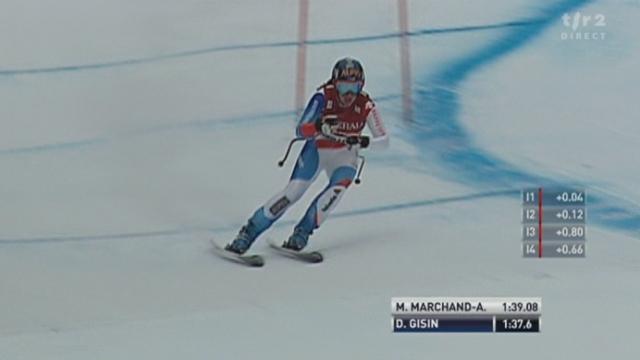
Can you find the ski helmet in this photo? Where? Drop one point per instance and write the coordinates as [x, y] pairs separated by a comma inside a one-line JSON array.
[[348, 75]]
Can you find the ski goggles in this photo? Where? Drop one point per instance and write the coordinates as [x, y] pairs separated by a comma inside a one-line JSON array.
[[345, 87]]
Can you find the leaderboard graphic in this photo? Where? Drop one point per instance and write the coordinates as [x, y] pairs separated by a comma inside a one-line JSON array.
[[554, 223], [466, 315]]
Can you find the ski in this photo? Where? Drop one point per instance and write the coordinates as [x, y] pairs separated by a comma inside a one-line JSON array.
[[306, 256], [249, 260]]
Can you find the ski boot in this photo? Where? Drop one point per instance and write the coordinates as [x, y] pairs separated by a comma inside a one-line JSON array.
[[243, 240], [298, 240]]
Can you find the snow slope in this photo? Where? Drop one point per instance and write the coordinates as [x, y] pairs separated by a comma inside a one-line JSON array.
[[135, 131]]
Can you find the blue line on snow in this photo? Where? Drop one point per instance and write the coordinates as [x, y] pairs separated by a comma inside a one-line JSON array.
[[70, 145], [440, 135], [196, 124], [209, 124], [226, 48], [234, 227]]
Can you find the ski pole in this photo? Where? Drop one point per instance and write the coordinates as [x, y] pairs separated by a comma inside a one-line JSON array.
[[286, 155], [361, 157]]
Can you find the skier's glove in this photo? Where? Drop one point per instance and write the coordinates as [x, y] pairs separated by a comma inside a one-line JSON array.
[[327, 125], [361, 141]]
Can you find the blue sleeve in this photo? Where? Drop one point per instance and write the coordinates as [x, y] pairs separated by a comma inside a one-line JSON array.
[[312, 112]]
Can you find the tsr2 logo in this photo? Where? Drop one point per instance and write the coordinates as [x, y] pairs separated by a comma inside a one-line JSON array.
[[583, 27]]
